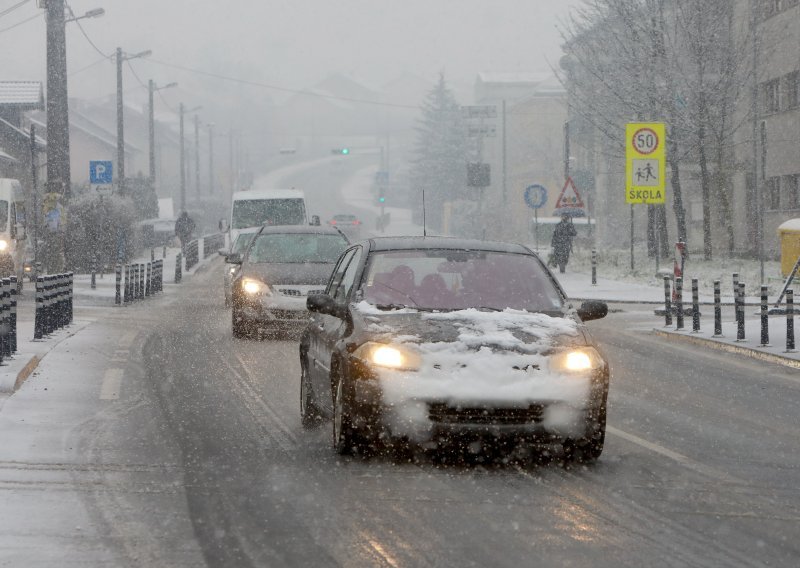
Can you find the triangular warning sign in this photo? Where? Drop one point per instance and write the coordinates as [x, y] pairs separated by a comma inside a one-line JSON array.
[[569, 196]]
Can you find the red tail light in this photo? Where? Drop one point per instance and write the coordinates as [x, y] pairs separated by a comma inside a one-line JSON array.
[[356, 222], [331, 222]]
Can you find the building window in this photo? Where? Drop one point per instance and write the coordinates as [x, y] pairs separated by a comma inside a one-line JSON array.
[[772, 96], [772, 193], [791, 191], [791, 89]]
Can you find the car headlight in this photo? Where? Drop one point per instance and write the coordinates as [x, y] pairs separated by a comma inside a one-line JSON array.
[[254, 287], [233, 269], [577, 360], [388, 356], [3, 244]]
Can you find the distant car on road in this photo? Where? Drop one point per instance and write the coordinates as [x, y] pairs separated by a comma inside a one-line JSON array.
[[428, 339], [347, 223], [239, 246], [281, 267]]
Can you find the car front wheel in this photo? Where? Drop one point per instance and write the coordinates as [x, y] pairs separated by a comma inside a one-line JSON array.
[[240, 326], [309, 412], [588, 449], [345, 436]]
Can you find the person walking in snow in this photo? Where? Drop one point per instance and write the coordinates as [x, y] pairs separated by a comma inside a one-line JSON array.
[[184, 227], [562, 242]]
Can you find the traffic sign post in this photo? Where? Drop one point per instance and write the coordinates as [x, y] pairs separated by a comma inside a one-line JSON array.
[[535, 198], [645, 163], [101, 176]]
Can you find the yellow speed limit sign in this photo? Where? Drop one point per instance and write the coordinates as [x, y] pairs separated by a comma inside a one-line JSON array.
[[645, 163]]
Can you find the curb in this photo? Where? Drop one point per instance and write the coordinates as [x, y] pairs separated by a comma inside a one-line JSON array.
[[26, 371], [737, 349]]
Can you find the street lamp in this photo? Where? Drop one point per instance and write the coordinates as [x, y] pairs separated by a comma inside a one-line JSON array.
[[197, 152], [96, 13], [121, 57], [183, 111], [152, 88]]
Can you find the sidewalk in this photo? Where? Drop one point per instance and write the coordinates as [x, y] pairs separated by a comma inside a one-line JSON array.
[[15, 370]]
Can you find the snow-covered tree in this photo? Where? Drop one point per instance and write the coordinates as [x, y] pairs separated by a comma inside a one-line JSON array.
[[439, 162]]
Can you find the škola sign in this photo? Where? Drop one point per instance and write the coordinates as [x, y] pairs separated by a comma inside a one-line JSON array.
[[645, 163]]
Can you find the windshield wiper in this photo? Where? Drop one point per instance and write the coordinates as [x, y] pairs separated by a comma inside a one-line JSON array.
[[391, 306]]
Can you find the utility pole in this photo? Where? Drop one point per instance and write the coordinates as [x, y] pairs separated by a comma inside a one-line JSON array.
[[58, 167], [183, 160], [231, 161], [35, 191], [197, 153], [505, 162], [151, 89], [211, 158], [120, 127]]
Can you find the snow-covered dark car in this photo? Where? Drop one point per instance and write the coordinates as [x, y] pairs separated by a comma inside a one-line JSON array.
[[280, 268], [423, 339], [239, 246]]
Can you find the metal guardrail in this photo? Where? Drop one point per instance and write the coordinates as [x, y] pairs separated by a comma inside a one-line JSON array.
[[138, 281]]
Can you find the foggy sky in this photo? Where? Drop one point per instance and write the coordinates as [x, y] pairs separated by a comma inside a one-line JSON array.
[[293, 43]]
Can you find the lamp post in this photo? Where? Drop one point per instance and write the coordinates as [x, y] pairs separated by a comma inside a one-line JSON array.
[[122, 57], [197, 154], [211, 158], [182, 111], [152, 89]]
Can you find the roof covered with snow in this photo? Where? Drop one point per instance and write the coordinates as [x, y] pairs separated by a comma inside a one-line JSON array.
[[21, 94]]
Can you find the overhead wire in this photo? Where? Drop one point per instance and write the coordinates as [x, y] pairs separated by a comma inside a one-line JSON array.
[[25, 21], [80, 27], [12, 8]]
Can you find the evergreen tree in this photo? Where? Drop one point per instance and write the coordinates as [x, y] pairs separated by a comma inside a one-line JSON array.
[[439, 164]]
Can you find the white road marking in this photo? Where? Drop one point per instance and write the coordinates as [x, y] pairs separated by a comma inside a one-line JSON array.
[[112, 381], [674, 456], [127, 339]]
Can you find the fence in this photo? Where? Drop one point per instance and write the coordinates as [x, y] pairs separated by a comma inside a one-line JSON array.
[[192, 254], [138, 281], [212, 243], [54, 294]]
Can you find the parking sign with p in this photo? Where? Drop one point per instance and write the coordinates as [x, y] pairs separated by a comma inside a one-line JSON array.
[[101, 172]]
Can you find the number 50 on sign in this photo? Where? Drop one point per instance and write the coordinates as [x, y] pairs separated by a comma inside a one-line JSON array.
[[645, 163]]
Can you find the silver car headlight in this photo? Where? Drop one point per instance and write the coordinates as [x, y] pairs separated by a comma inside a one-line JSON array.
[[388, 356], [253, 287], [581, 360]]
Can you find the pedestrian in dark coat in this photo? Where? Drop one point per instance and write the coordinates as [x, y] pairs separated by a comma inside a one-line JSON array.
[[562, 242], [184, 227]]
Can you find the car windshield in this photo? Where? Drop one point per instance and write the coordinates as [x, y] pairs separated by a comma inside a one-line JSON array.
[[455, 280], [255, 212], [291, 248], [242, 241]]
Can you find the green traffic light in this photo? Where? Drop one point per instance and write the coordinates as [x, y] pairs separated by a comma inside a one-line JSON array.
[[345, 151], [382, 199]]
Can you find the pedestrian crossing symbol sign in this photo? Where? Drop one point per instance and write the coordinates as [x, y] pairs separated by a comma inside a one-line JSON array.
[[645, 163]]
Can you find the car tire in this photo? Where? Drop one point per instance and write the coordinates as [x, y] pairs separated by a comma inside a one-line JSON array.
[[588, 450], [346, 438], [239, 325], [309, 411]]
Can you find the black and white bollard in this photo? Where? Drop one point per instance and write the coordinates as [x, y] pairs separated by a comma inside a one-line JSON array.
[[740, 312], [13, 334], [178, 268], [94, 272], [70, 297], [764, 317], [717, 310], [667, 303], [127, 294], [148, 280], [735, 286], [594, 268], [695, 307], [38, 326], [679, 302], [141, 281], [152, 254], [118, 285], [790, 321], [164, 252]]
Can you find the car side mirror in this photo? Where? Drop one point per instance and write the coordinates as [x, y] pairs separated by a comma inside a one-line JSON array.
[[323, 304], [223, 226], [592, 310], [234, 258], [315, 221]]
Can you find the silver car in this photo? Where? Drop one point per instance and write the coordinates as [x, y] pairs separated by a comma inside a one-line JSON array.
[[239, 246]]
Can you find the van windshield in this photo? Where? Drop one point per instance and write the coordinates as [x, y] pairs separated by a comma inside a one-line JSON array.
[[255, 212], [3, 216]]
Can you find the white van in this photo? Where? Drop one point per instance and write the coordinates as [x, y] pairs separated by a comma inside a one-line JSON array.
[[12, 228], [257, 207]]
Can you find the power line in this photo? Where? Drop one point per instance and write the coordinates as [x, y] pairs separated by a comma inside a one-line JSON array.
[[14, 7], [82, 69], [80, 27], [278, 88], [18, 24]]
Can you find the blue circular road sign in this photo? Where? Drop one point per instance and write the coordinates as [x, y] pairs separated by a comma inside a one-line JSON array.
[[535, 196]]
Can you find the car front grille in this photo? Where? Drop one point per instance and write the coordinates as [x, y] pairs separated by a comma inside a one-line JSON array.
[[440, 412]]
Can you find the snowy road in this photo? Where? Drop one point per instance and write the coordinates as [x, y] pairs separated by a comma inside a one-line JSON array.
[[196, 451]]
